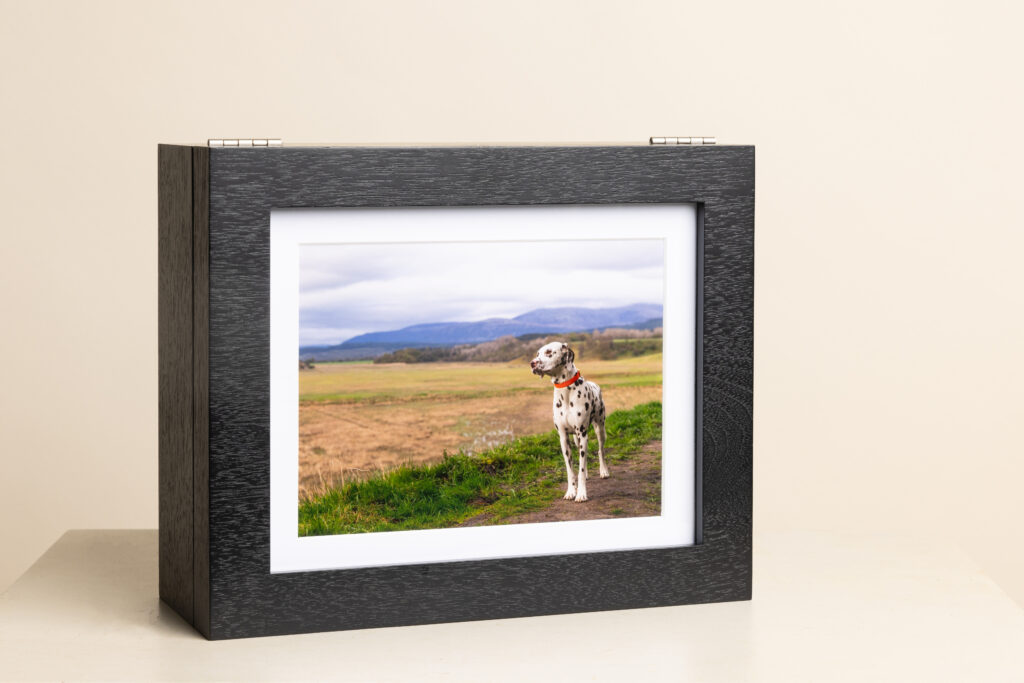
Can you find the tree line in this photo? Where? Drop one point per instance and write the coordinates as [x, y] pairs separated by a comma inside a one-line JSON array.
[[607, 344]]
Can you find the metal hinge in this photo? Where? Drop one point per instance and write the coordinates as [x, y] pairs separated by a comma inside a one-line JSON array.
[[683, 141], [244, 142]]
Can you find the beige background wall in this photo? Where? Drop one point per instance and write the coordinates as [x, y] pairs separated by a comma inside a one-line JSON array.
[[890, 235]]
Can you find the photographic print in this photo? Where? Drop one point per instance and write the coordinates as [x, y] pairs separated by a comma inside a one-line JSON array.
[[436, 374], [476, 383]]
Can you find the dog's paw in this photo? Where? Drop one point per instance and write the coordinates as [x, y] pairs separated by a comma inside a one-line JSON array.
[[605, 473], [581, 497], [570, 494]]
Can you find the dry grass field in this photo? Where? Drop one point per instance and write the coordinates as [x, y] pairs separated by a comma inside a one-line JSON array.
[[359, 418]]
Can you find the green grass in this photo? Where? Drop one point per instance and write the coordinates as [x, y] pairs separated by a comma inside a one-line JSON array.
[[522, 475]]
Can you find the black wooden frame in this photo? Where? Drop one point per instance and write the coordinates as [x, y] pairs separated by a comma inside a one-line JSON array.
[[214, 266]]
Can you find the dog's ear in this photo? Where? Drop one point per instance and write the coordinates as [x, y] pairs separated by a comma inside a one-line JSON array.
[[568, 353]]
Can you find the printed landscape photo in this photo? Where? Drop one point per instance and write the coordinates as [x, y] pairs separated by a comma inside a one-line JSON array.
[[424, 396]]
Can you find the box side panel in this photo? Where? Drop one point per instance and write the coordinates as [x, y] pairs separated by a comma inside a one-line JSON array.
[[201, 386], [175, 377]]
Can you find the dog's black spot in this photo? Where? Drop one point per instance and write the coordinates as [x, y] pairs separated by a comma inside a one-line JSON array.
[[570, 403], [558, 405], [577, 413], [560, 412], [587, 406]]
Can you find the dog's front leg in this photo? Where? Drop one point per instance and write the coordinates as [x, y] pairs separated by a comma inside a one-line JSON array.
[[581, 488], [570, 492]]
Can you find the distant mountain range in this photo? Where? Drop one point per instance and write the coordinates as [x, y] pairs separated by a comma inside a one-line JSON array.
[[539, 321]]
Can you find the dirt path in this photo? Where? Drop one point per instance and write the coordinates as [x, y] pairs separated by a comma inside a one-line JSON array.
[[346, 442], [633, 490]]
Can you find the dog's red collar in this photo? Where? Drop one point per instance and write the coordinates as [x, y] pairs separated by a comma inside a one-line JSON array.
[[563, 385]]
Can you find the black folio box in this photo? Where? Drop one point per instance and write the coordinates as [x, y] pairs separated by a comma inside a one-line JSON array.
[[218, 550]]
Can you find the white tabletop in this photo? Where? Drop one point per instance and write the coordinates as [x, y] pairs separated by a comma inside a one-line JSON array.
[[825, 608]]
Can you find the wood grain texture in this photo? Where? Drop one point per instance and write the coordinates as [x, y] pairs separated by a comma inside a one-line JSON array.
[[200, 388], [175, 377], [245, 184]]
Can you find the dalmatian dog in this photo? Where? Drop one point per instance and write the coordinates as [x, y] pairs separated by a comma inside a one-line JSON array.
[[577, 404]]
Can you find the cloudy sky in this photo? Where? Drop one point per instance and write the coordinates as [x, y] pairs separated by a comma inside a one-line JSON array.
[[349, 289]]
